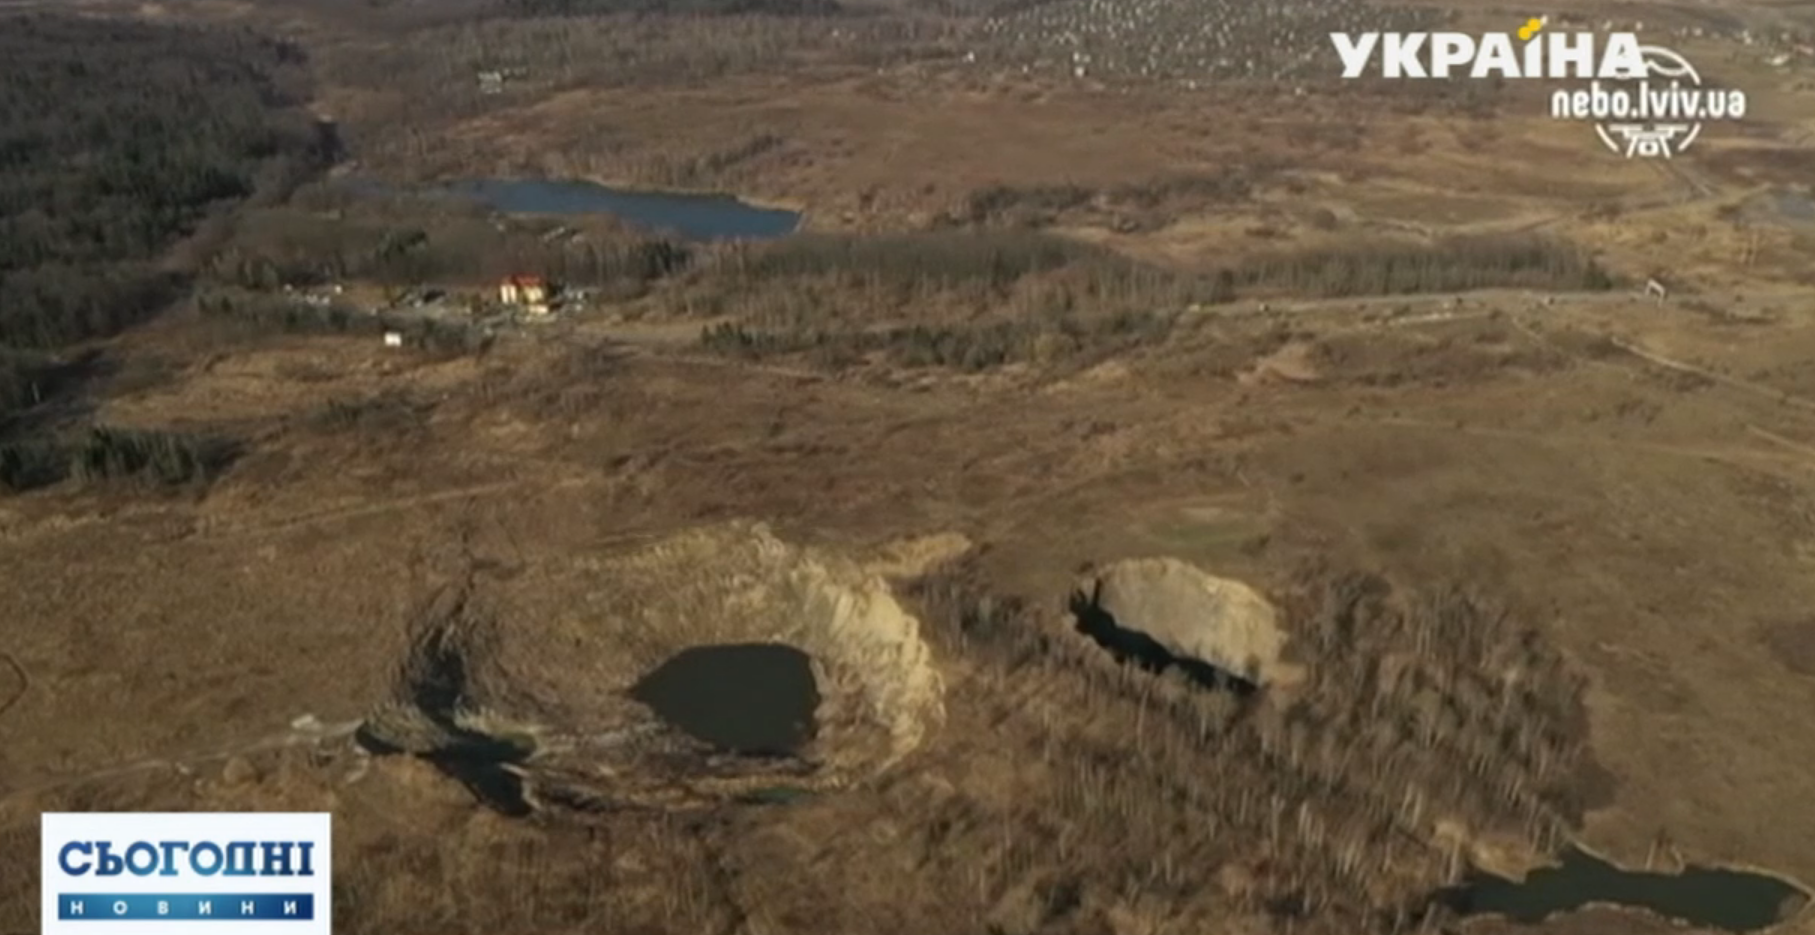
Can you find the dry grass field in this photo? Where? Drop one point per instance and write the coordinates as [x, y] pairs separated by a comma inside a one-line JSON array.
[[1536, 562], [1648, 527]]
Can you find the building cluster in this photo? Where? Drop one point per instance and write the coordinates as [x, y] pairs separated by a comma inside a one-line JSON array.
[[530, 294], [1199, 42], [1186, 40], [494, 81]]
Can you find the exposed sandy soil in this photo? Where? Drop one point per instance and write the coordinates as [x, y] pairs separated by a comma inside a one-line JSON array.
[[553, 680]]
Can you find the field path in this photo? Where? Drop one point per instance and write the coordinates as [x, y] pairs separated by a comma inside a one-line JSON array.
[[306, 731]]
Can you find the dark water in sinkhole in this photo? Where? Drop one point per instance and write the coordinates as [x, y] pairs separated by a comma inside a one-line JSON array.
[[756, 699], [1730, 900]]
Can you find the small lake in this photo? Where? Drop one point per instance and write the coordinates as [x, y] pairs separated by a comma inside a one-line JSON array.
[[757, 699], [693, 216], [1729, 900]]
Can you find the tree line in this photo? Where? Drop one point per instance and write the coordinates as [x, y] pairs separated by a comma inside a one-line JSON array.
[[119, 141], [327, 234], [1068, 301]]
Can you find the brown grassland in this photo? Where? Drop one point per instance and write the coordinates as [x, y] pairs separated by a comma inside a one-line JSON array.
[[1541, 547]]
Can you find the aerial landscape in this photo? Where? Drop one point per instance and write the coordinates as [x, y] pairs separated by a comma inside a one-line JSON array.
[[913, 467]]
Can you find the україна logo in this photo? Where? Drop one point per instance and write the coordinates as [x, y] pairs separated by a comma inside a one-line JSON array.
[[1644, 100], [162, 874]]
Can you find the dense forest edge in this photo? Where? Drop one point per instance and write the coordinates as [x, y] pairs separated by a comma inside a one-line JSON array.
[[123, 146]]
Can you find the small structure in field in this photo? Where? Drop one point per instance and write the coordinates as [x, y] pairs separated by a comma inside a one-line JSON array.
[[530, 293], [393, 339]]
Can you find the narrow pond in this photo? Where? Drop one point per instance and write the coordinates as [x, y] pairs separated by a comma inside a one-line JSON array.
[[756, 699], [693, 216], [1729, 900]]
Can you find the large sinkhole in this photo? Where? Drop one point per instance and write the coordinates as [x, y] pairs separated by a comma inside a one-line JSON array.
[[711, 667], [1164, 615], [755, 699]]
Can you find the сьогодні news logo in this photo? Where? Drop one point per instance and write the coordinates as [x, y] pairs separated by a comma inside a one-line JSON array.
[[222, 873]]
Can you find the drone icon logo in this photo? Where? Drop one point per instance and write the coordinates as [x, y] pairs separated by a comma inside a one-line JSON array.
[[1651, 141], [1658, 139]]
